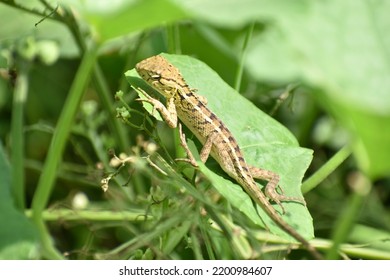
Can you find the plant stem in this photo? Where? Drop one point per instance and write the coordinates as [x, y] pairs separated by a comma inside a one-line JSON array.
[[60, 137], [326, 169], [361, 186], [17, 136], [240, 70]]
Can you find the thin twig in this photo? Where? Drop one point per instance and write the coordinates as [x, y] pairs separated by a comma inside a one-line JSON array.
[[47, 16]]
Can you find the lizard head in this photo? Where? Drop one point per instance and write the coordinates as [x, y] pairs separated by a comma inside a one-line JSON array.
[[161, 75]]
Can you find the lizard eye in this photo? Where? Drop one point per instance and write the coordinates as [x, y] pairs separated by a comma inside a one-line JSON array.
[[155, 77]]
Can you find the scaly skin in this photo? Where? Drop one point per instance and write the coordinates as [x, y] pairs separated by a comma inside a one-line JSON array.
[[183, 103]]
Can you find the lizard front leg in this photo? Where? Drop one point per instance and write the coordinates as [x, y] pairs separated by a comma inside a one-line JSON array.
[[168, 112], [272, 185]]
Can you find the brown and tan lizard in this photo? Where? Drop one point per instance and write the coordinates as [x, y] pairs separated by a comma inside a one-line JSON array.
[[182, 102]]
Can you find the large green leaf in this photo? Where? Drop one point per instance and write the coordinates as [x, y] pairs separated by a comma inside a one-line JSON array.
[[236, 14], [265, 142], [342, 48], [114, 19], [18, 237]]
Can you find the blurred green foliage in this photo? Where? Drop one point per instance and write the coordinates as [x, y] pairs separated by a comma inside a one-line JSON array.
[[320, 67]]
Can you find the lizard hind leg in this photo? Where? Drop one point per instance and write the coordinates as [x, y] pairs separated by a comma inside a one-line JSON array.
[[272, 186], [204, 153], [190, 157]]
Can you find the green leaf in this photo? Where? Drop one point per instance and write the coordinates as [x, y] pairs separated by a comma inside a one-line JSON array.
[[265, 143], [18, 237], [112, 20], [342, 48], [220, 12]]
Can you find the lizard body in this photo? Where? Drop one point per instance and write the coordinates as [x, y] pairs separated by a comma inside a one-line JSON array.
[[183, 103]]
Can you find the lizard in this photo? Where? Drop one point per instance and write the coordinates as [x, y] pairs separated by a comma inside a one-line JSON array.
[[185, 104]]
